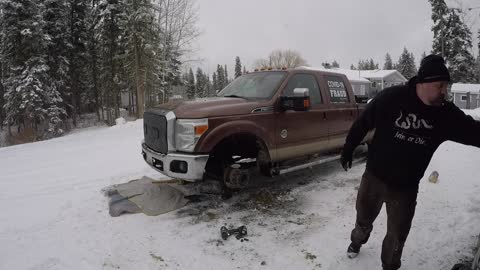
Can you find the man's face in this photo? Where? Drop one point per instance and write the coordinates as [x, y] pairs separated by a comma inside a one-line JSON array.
[[434, 93]]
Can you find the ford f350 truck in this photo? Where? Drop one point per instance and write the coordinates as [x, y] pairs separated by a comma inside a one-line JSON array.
[[263, 120]]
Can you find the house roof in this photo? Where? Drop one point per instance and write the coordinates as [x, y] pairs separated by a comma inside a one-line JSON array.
[[465, 87], [363, 75], [380, 74], [352, 75]]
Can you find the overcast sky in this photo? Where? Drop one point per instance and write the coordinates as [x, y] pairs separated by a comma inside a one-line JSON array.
[[341, 30]]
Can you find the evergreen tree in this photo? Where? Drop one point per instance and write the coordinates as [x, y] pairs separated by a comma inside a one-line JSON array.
[[406, 64], [214, 82], [220, 77], [190, 85], [453, 40], [226, 80], [201, 86], [56, 28], [335, 64], [413, 63], [388, 62], [244, 70], [326, 65], [30, 99], [93, 51], [238, 67], [477, 69], [423, 56], [77, 56], [112, 23], [352, 67], [142, 51]]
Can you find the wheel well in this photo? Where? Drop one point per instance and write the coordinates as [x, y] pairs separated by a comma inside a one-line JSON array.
[[243, 144]]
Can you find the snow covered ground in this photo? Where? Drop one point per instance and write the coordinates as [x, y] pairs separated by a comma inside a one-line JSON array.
[[54, 215]]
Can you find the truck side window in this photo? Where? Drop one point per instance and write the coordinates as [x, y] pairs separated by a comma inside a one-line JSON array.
[[304, 81], [337, 90]]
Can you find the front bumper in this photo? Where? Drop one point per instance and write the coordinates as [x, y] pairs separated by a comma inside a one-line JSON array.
[[181, 166]]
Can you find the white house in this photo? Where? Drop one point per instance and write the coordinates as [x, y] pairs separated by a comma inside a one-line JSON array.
[[382, 79], [466, 96]]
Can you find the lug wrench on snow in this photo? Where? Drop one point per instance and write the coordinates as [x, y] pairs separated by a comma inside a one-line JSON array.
[[240, 232]]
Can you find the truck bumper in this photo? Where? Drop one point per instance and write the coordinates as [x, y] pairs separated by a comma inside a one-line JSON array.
[[181, 166]]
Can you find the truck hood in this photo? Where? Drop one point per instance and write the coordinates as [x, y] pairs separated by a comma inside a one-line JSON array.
[[211, 107]]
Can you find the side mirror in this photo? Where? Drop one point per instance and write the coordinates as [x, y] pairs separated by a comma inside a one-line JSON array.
[[300, 101]]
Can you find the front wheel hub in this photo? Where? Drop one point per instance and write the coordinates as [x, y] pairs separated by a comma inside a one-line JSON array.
[[235, 177]]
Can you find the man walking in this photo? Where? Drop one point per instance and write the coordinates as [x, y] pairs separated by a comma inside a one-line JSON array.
[[410, 122]]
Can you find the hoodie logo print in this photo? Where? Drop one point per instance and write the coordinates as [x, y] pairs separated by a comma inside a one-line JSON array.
[[411, 121]]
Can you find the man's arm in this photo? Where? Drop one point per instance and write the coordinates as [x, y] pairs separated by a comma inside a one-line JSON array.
[[364, 123], [463, 128]]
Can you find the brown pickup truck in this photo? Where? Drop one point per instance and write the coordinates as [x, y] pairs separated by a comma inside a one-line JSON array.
[[263, 120]]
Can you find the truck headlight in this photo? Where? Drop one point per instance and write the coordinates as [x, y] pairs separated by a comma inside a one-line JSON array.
[[188, 132]]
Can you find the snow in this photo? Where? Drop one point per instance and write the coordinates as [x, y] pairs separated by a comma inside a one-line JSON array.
[[54, 215], [361, 75], [352, 75]]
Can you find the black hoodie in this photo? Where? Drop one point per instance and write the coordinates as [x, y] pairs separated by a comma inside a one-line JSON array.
[[407, 133]]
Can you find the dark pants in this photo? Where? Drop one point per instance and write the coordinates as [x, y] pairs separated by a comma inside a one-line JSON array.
[[400, 211]]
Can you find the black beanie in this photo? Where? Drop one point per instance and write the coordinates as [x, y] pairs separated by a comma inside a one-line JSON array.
[[433, 69]]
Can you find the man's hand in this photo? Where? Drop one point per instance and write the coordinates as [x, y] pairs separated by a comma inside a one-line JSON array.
[[346, 160]]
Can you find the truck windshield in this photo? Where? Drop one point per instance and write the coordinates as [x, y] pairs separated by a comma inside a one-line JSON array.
[[258, 85]]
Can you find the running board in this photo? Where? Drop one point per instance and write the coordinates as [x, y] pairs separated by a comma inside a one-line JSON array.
[[306, 165]]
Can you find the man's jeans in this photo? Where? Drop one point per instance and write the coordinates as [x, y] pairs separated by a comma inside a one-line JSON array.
[[400, 211]]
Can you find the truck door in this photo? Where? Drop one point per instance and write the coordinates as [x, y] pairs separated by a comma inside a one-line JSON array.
[[301, 133], [342, 109]]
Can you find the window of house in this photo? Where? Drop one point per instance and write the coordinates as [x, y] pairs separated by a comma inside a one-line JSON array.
[[463, 98], [304, 81], [337, 90]]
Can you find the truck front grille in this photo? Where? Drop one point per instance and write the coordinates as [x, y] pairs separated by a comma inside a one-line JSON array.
[[155, 132]]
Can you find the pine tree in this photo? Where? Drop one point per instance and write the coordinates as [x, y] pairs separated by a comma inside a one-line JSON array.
[[453, 40], [214, 82], [335, 64], [112, 33], [226, 80], [56, 27], [238, 67], [93, 41], [30, 99], [244, 70], [142, 50], [220, 77], [191, 85], [77, 56], [326, 65], [201, 86], [406, 64], [412, 62], [388, 62], [423, 56], [352, 67]]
